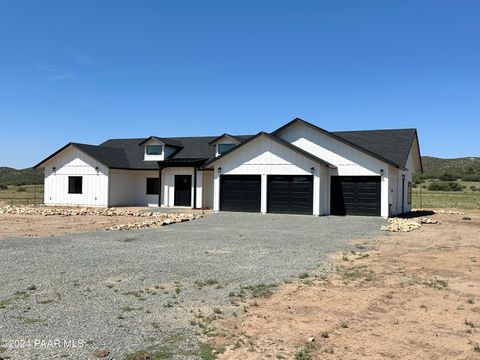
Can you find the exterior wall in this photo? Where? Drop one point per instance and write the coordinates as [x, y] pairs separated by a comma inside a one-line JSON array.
[[396, 181], [348, 160], [168, 184], [129, 188], [207, 190], [264, 157], [73, 162]]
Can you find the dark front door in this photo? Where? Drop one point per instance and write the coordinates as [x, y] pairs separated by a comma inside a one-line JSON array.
[[289, 194], [240, 193], [355, 195], [183, 190]]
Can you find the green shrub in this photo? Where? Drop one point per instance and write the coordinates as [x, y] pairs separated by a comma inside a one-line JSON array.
[[474, 177], [3, 187], [444, 186], [21, 189], [447, 177], [473, 188]]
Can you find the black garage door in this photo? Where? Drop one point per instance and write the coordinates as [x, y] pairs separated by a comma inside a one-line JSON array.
[[355, 195], [290, 194], [240, 193]]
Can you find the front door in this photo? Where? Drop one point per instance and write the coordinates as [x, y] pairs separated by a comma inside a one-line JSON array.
[[183, 190]]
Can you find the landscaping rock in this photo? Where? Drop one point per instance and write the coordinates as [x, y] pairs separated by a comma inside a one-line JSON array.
[[406, 225]]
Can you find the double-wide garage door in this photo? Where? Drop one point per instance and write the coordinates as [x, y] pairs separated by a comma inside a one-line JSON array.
[[286, 194], [355, 195]]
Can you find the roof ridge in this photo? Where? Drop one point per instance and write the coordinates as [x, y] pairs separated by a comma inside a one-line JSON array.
[[369, 130]]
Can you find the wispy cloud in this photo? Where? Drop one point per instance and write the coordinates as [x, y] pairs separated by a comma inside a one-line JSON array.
[[82, 57], [55, 73]]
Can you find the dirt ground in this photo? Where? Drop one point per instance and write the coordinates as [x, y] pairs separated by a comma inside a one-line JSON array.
[[39, 225], [409, 295]]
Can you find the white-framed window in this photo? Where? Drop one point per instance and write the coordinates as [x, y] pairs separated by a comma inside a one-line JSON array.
[[224, 148], [75, 184], [154, 150]]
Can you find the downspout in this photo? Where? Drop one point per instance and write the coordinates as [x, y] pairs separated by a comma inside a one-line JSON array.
[[195, 187]]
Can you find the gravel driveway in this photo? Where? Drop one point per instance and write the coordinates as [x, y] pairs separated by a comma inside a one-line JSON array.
[[146, 289]]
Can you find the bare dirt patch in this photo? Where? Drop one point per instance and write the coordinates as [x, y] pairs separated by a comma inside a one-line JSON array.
[[412, 295], [32, 223]]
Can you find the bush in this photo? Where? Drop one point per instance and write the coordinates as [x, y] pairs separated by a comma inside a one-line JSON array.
[[21, 189], [447, 177], [475, 177], [21, 184], [3, 187], [473, 188], [444, 186]]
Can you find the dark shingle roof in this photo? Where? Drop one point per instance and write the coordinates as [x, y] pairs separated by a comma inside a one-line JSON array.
[[389, 146], [393, 145]]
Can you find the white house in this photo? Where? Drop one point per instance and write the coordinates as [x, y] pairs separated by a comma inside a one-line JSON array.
[[296, 169]]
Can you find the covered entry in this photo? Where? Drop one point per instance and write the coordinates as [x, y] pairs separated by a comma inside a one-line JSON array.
[[240, 193], [290, 194], [355, 195]]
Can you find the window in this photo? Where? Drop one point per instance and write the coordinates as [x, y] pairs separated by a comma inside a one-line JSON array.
[[224, 148], [74, 184], [152, 186], [410, 192], [154, 149]]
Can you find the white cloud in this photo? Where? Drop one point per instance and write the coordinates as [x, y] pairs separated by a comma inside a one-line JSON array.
[[55, 73]]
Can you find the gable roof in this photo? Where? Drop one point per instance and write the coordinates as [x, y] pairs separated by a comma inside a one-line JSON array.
[[389, 146], [276, 139], [166, 141], [239, 138], [394, 144]]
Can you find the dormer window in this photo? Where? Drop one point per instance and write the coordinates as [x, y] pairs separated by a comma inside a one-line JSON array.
[[224, 148], [154, 149]]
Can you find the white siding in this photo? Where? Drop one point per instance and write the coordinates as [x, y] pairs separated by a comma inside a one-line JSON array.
[[348, 160], [73, 162], [207, 189], [129, 188], [168, 184], [264, 156]]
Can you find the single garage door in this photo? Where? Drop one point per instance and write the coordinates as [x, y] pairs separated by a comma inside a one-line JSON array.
[[289, 194], [355, 195], [240, 193]]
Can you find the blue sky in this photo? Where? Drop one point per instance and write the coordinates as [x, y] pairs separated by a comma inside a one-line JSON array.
[[86, 71]]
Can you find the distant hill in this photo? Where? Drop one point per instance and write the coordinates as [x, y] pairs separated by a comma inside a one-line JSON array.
[[10, 176], [434, 167]]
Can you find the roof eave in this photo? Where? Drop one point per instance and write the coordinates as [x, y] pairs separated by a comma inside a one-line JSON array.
[[278, 140], [338, 138]]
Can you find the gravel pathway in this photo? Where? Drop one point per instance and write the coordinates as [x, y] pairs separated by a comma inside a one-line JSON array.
[[143, 289]]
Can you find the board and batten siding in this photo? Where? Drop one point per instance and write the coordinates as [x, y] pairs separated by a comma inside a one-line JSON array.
[[264, 157], [348, 160], [73, 162], [129, 188]]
